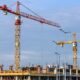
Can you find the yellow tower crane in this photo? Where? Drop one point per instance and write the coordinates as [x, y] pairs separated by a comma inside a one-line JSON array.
[[74, 44]]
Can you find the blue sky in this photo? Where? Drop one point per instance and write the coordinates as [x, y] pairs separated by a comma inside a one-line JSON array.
[[36, 38]]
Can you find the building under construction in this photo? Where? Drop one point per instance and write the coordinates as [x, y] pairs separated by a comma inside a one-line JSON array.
[[69, 72], [39, 73]]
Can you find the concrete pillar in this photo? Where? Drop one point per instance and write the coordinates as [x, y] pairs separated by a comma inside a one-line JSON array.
[[70, 77], [76, 74], [70, 72], [29, 78], [39, 78], [63, 71], [76, 71], [25, 78], [1, 78], [16, 78], [47, 78]]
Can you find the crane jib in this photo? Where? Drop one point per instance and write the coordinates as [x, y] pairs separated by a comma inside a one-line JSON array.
[[36, 18]]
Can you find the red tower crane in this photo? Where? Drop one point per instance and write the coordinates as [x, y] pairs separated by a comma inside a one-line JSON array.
[[20, 14]]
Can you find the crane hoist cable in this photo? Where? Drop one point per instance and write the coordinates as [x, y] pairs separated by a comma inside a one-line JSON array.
[[30, 10], [40, 16]]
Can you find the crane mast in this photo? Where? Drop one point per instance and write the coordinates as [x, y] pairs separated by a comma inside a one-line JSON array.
[[74, 51], [17, 38]]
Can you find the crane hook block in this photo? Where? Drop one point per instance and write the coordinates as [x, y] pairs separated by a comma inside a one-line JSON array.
[[5, 12], [4, 7]]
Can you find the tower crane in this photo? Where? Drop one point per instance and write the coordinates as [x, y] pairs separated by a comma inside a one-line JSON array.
[[74, 44], [20, 14]]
